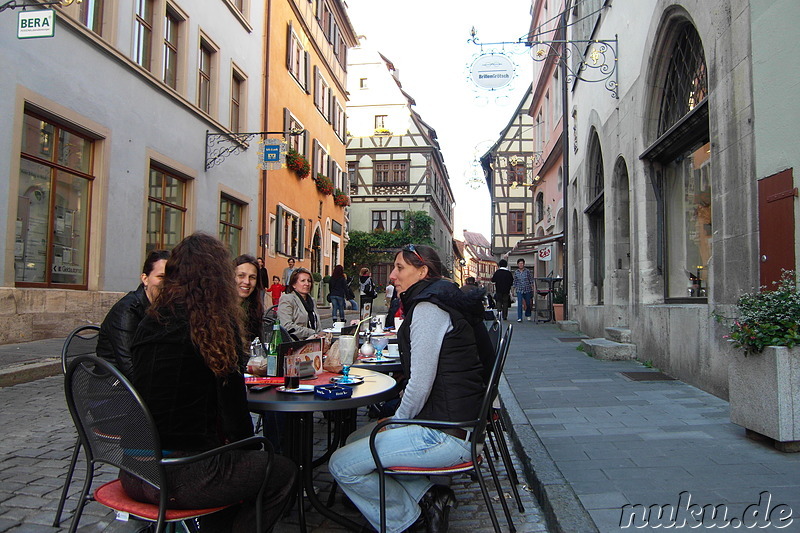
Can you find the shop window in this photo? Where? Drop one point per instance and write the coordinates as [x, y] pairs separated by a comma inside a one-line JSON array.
[[51, 242], [166, 209]]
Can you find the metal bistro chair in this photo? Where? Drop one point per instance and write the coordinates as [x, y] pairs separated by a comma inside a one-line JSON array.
[[81, 341], [477, 430], [116, 428]]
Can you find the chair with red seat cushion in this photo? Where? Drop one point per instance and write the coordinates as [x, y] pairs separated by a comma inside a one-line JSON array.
[[81, 341], [477, 429], [116, 428]]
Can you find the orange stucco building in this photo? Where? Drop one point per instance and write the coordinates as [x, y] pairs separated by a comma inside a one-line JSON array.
[[306, 59]]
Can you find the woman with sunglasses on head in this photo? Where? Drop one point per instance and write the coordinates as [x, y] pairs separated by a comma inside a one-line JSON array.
[[296, 310], [444, 348], [186, 366], [251, 294]]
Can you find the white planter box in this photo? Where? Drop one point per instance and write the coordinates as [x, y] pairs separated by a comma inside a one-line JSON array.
[[764, 391]]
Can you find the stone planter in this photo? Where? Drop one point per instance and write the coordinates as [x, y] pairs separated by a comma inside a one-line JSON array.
[[764, 391]]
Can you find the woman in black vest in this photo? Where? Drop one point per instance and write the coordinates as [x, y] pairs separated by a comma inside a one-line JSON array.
[[441, 348]]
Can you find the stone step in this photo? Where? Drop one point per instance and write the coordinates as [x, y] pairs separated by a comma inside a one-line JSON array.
[[622, 335], [608, 350], [569, 325]]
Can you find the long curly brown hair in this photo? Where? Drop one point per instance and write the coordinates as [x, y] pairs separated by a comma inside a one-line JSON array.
[[199, 278]]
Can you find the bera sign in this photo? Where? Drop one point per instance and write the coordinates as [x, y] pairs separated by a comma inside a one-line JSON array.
[[492, 71], [40, 23]]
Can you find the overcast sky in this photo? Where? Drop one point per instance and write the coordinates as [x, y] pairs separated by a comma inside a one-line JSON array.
[[427, 42]]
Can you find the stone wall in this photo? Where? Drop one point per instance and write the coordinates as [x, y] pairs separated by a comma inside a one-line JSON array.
[[33, 314]]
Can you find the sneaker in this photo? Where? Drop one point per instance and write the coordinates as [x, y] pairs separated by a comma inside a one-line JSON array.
[[519, 320], [529, 319]]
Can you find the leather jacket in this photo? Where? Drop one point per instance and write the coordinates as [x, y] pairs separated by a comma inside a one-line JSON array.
[[118, 328]]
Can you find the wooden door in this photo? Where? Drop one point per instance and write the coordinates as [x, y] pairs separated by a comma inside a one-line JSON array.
[[776, 198]]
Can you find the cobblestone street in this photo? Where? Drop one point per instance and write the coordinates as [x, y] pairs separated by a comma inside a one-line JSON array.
[[37, 441]]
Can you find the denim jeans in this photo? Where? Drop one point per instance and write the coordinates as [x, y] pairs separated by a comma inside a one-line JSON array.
[[338, 308], [354, 470], [528, 297]]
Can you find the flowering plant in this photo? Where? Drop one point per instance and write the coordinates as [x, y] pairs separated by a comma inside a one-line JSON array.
[[340, 198], [324, 183], [297, 163], [768, 318]]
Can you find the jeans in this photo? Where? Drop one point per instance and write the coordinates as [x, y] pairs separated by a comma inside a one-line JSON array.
[[528, 297], [338, 308], [353, 304], [354, 470], [234, 477]]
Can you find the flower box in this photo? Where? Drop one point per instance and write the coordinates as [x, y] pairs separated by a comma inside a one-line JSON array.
[[764, 393]]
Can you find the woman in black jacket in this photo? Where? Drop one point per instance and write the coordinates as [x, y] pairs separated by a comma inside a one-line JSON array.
[[119, 326], [186, 357], [337, 286]]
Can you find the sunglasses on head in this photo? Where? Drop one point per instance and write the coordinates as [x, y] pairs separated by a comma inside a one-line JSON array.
[[413, 250]]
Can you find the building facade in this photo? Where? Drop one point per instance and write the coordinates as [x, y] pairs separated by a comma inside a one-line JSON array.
[[673, 184], [103, 149], [393, 157], [481, 264], [307, 48]]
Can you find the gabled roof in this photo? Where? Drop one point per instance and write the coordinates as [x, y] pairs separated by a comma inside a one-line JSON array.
[[476, 243], [522, 109]]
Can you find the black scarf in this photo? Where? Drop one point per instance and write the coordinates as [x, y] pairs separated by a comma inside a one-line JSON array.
[[308, 303]]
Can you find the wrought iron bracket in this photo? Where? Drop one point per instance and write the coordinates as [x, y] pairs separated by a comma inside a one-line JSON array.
[[24, 4], [221, 145]]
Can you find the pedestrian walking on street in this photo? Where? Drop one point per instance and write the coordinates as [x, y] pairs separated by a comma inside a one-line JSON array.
[[287, 272], [366, 288], [337, 290], [503, 280], [523, 284]]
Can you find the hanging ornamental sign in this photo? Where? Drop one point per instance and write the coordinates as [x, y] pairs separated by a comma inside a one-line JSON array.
[[492, 71]]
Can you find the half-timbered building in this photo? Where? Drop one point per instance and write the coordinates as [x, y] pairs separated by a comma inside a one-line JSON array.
[[394, 161]]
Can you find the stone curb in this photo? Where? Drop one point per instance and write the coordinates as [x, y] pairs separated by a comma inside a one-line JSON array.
[[561, 507], [16, 374]]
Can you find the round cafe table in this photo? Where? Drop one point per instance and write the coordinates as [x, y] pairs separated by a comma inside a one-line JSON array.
[[300, 409]]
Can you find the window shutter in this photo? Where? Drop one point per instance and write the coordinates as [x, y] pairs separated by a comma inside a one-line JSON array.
[[287, 119], [305, 143], [306, 69], [289, 46], [301, 240], [317, 87], [278, 228]]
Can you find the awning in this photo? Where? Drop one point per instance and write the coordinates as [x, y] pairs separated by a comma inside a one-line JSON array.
[[530, 245]]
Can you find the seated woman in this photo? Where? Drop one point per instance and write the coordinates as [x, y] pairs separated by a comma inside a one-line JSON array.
[[250, 291], [119, 326], [186, 357], [296, 309], [441, 352], [338, 291]]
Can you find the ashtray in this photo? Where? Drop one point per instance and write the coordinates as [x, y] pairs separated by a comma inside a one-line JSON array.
[[333, 392]]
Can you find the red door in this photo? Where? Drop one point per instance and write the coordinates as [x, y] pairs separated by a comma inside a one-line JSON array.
[[776, 198]]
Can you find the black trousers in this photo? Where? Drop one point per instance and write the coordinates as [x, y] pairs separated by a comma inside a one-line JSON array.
[[503, 302], [234, 477]]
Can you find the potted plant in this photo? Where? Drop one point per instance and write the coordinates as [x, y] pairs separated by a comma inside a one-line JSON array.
[[340, 198], [559, 299], [297, 163], [764, 374], [324, 184]]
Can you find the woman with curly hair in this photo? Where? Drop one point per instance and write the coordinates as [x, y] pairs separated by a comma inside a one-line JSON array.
[[251, 295], [186, 366]]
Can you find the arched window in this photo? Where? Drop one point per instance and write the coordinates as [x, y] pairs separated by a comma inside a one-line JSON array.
[[682, 170], [595, 213], [539, 207]]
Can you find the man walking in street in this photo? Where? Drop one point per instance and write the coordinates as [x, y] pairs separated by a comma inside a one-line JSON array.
[[503, 280], [523, 284]]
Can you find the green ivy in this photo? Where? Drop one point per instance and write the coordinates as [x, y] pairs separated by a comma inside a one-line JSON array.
[[417, 228]]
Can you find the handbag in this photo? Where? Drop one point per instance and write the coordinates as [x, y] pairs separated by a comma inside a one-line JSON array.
[[328, 297]]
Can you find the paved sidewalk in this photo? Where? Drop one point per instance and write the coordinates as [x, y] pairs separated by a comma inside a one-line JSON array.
[[593, 441]]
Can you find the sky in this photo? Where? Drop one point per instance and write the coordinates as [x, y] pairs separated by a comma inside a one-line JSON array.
[[427, 40]]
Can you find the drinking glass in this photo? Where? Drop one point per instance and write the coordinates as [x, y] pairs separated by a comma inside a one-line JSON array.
[[380, 343]]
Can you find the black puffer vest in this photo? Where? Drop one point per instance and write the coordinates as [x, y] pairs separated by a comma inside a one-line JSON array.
[[458, 388]]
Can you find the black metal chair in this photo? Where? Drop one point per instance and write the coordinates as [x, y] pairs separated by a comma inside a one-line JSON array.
[[116, 428], [477, 429], [81, 341]]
